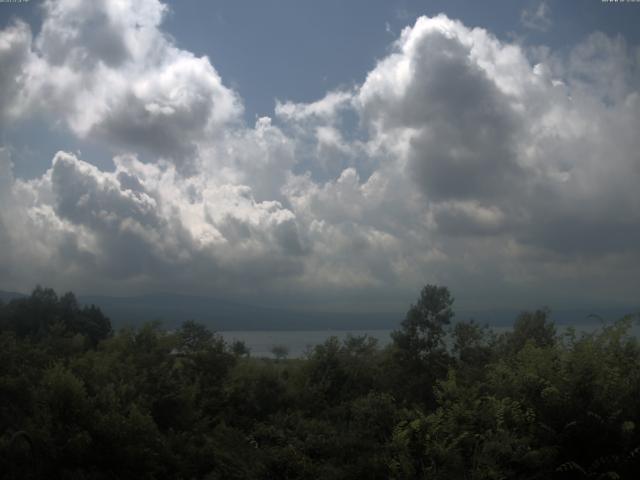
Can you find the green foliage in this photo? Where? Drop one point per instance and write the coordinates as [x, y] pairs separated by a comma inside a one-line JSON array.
[[80, 402], [240, 349], [423, 328], [44, 315], [280, 352], [419, 354], [534, 327]]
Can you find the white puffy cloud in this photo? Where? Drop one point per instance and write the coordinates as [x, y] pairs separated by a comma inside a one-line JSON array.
[[259, 157], [461, 159], [327, 108], [447, 89], [116, 76], [147, 222], [509, 164], [499, 145], [15, 42]]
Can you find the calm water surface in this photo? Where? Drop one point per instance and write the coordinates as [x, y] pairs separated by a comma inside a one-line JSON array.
[[260, 342], [298, 342]]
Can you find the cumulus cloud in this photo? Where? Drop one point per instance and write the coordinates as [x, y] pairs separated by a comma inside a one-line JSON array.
[[499, 145], [147, 222], [15, 43], [464, 130], [326, 108], [259, 157], [461, 159], [116, 76]]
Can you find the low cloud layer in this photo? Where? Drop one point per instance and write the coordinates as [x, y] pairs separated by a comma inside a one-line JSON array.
[[475, 163]]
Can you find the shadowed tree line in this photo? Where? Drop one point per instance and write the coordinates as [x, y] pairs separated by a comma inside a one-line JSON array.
[[444, 400]]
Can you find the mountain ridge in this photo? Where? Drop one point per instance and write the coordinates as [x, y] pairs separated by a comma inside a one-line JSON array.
[[224, 315]]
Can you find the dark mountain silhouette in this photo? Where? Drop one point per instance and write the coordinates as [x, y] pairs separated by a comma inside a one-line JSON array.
[[221, 314], [8, 296]]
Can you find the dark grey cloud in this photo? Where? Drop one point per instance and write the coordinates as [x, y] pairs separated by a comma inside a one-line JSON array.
[[470, 218], [465, 140], [126, 225], [131, 124], [143, 224], [86, 196]]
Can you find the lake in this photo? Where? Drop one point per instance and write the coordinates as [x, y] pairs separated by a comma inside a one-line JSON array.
[[260, 342], [298, 342]]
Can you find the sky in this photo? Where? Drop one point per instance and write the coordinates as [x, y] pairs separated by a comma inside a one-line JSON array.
[[325, 155]]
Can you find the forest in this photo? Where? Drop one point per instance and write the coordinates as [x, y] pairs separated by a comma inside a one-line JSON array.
[[448, 398]]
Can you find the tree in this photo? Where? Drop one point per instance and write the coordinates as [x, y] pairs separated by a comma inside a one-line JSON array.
[[240, 349], [195, 337], [423, 328], [535, 327], [44, 314], [472, 347], [419, 348], [280, 352]]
